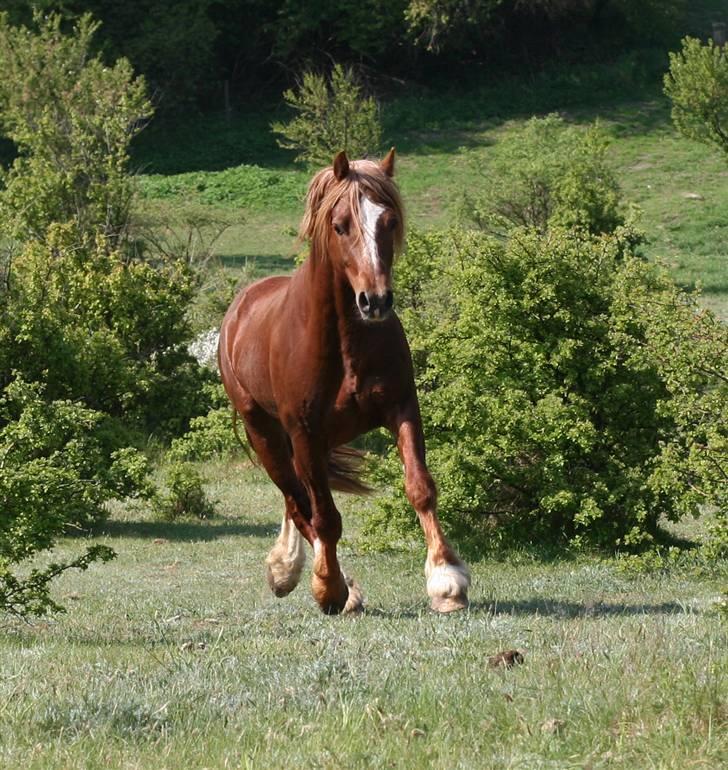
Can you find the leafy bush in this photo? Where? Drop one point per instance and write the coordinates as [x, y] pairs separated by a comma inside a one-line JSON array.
[[185, 496], [556, 175], [332, 116], [71, 118], [210, 436], [569, 391], [82, 310], [93, 325], [58, 466], [93, 322], [697, 84]]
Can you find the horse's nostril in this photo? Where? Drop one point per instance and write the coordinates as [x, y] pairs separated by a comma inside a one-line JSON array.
[[363, 302], [389, 300]]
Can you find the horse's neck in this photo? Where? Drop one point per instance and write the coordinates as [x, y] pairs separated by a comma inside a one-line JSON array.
[[330, 303]]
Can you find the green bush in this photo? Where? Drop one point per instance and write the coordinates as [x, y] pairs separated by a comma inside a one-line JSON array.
[[97, 324], [58, 467], [697, 84], [83, 310], [211, 436], [556, 175], [332, 116], [71, 118], [570, 393], [185, 495]]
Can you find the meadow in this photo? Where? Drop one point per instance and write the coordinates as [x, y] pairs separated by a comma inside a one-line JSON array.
[[176, 655]]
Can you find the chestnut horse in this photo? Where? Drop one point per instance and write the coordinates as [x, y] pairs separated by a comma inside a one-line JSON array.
[[313, 360]]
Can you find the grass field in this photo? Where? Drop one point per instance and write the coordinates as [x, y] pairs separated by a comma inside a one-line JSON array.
[[176, 656]]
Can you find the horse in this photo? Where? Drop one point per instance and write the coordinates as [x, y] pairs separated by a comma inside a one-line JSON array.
[[312, 360]]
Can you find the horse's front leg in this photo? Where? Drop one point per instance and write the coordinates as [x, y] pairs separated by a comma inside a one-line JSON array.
[[448, 578], [331, 588]]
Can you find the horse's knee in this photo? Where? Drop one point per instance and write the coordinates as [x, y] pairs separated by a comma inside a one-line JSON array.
[[421, 491]]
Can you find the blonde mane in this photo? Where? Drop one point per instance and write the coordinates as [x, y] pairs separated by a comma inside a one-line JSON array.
[[366, 178]]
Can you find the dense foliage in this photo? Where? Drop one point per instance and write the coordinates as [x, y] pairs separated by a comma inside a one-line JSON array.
[[332, 115], [93, 324], [569, 391], [557, 174], [697, 84], [186, 55]]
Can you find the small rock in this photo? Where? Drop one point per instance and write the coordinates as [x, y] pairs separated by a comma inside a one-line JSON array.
[[507, 659], [553, 726]]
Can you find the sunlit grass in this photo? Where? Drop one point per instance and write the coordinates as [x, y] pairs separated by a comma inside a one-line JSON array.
[[176, 655]]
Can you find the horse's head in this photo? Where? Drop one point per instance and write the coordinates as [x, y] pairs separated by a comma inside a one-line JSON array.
[[354, 218]]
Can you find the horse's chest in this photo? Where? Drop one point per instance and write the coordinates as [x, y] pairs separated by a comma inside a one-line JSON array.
[[366, 398]]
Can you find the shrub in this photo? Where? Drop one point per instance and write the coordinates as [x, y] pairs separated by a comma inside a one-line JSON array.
[[547, 173], [564, 394], [210, 436], [697, 84], [332, 115], [97, 326], [58, 467], [185, 495], [82, 310], [71, 118]]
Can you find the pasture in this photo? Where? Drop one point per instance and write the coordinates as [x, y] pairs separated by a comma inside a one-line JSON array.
[[176, 654], [443, 139]]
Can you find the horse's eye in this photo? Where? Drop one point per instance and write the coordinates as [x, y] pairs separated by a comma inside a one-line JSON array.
[[338, 228]]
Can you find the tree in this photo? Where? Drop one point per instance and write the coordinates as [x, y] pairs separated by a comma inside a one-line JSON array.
[[71, 118], [333, 115], [697, 84]]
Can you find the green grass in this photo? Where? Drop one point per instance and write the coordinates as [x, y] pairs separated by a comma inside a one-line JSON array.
[[176, 656]]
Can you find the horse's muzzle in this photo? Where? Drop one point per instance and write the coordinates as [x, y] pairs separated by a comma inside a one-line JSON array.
[[375, 307]]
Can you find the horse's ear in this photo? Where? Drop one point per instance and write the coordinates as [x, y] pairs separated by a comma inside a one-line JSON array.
[[341, 166], [387, 165]]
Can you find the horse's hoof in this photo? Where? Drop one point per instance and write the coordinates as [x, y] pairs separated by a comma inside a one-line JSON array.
[[446, 604], [280, 588], [355, 602], [331, 596]]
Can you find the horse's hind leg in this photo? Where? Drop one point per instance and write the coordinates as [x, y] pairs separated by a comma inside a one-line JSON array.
[[286, 559]]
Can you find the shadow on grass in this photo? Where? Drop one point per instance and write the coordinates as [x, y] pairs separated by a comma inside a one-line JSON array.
[[541, 607], [186, 530], [421, 118], [564, 609]]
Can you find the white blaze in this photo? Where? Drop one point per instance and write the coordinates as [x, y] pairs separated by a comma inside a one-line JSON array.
[[370, 213]]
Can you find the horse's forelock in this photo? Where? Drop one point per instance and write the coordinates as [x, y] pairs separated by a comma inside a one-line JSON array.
[[325, 191]]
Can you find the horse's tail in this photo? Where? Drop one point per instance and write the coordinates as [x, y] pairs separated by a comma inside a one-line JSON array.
[[346, 465], [246, 446]]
